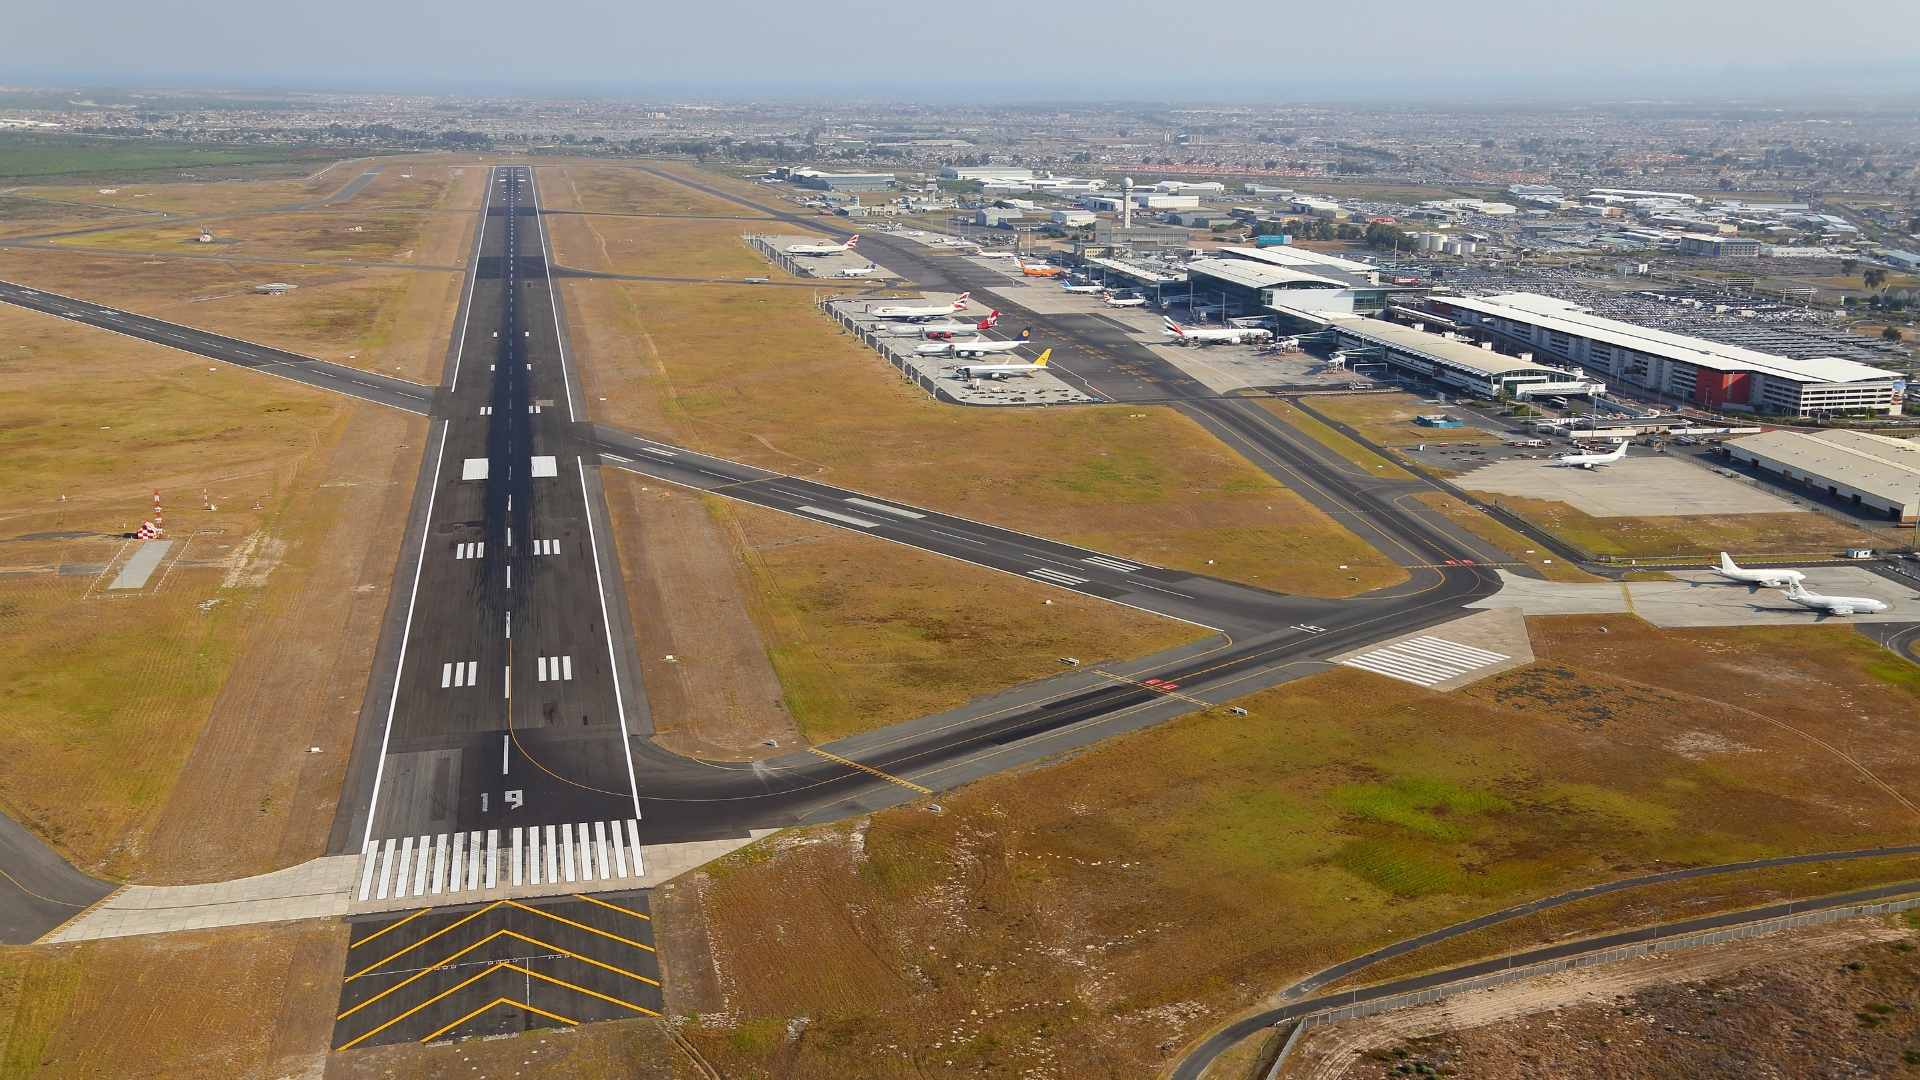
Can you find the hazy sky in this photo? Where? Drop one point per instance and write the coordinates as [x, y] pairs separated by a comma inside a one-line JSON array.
[[1099, 49]]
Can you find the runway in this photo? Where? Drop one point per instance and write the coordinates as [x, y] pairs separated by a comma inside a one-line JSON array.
[[501, 697]]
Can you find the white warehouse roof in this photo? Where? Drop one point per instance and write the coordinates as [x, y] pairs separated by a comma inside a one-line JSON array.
[[1255, 275], [1288, 255], [1875, 464], [1570, 318]]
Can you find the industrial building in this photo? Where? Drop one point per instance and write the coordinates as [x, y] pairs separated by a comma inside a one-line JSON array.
[[1878, 475], [1706, 373], [1460, 366], [1708, 244], [824, 181], [995, 217]]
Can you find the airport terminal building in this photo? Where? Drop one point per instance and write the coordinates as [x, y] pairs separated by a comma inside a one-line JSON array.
[[1874, 473], [1704, 373]]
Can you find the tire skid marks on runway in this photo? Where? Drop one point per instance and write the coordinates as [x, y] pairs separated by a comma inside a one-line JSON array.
[[459, 867], [1425, 660]]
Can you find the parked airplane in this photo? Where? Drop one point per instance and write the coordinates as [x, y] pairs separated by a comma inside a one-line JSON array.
[[951, 327], [1833, 605], [854, 271], [1772, 579], [1588, 461], [970, 347], [1083, 288], [1040, 270], [1002, 371], [1130, 301], [908, 311], [824, 249], [1236, 335], [983, 253]]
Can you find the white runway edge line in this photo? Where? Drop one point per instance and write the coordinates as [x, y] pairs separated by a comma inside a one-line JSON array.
[[473, 275], [1425, 660], [613, 663], [406, 631], [553, 299]]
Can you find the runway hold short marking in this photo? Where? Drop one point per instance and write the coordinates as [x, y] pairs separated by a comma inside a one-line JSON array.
[[546, 547], [459, 673], [884, 508], [474, 468], [470, 551], [871, 771], [1425, 660], [545, 466], [1110, 564], [556, 669], [1055, 577], [845, 519]]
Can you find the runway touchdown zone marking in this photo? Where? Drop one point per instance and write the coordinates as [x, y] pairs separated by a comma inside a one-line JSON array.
[[447, 973], [1425, 660]]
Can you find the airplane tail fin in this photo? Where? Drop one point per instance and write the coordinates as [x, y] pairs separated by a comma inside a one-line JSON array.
[[988, 322], [961, 304], [1172, 327], [1726, 562], [1041, 360], [853, 241]]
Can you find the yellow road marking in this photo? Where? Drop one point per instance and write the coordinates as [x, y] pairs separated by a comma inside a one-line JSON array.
[[642, 1009], [616, 907], [461, 985], [450, 926], [577, 926], [501, 1001], [870, 770], [516, 935], [389, 926]]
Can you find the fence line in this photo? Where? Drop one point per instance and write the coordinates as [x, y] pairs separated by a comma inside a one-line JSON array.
[[1569, 963]]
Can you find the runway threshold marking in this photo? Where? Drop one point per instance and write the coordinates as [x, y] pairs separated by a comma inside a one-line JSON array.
[[870, 770]]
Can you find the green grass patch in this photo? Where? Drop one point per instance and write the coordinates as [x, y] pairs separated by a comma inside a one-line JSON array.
[[25, 154], [1422, 804]]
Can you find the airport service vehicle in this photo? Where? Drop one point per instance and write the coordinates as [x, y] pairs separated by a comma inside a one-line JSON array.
[[1040, 270], [1003, 371], [978, 346], [1833, 605], [919, 313], [1233, 335], [1772, 579], [1083, 288], [1127, 301], [854, 271], [824, 249], [1590, 461], [946, 330]]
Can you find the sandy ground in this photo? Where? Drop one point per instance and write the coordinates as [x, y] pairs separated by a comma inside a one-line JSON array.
[[1648, 486]]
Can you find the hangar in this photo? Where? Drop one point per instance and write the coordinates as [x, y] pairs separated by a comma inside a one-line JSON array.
[[1874, 473]]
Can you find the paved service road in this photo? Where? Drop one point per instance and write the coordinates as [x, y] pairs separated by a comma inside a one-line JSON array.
[[503, 702], [39, 890]]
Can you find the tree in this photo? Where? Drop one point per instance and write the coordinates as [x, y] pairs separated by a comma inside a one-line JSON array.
[[1892, 333], [1848, 266], [1874, 277]]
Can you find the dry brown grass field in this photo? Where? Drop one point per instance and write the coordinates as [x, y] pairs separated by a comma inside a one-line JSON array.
[[666, 247], [253, 1001], [1387, 419], [626, 189], [1516, 546], [1698, 536], [1092, 918], [181, 703], [759, 375]]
